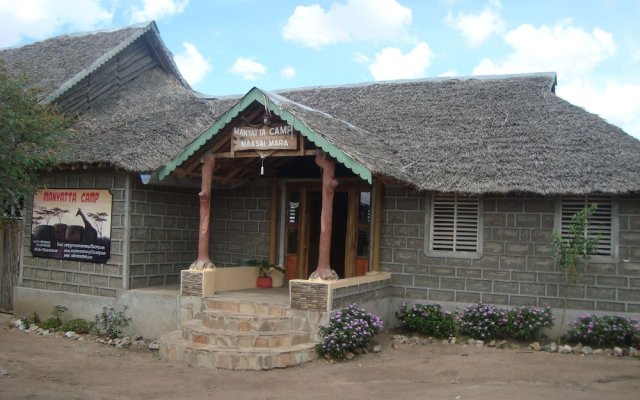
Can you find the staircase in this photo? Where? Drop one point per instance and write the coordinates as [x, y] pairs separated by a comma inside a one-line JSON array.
[[242, 335]]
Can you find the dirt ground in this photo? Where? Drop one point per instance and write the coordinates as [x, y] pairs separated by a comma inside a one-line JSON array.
[[51, 368]]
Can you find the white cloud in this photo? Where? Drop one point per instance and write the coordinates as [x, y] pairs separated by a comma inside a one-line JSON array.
[[563, 48], [248, 69], [361, 58], [618, 103], [192, 64], [288, 72], [355, 20], [157, 9], [575, 55], [477, 28], [390, 63], [39, 19], [448, 73]]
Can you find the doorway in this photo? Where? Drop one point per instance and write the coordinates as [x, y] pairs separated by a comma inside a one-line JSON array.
[[349, 234], [338, 231]]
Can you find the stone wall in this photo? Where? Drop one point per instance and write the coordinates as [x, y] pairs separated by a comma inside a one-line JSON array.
[[307, 295], [361, 294], [76, 276], [164, 234], [516, 268], [240, 223]]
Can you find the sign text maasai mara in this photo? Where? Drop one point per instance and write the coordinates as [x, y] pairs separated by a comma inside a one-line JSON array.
[[265, 137]]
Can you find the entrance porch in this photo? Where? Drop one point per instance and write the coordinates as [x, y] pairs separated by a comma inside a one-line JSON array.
[[266, 328]]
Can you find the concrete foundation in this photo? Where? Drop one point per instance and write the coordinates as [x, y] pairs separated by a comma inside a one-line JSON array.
[[154, 310]]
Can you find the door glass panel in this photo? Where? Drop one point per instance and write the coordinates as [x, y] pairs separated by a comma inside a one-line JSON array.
[[363, 243], [364, 208], [293, 207], [293, 220], [292, 241], [364, 219]]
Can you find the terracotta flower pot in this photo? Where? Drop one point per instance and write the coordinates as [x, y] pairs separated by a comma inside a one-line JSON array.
[[264, 282]]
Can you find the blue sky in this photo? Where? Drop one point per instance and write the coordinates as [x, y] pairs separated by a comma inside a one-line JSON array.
[[226, 47]]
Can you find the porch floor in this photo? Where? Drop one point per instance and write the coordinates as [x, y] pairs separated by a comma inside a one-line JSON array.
[[278, 296]]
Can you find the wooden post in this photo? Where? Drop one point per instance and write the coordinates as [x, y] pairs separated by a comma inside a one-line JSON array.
[[329, 183], [203, 261], [273, 224], [378, 190]]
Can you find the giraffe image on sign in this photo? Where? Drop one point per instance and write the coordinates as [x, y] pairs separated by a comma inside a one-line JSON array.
[[72, 224]]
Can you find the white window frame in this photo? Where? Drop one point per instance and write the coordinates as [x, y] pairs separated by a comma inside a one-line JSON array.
[[429, 227], [614, 224]]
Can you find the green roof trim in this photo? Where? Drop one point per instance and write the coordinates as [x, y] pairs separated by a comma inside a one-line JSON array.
[[261, 97]]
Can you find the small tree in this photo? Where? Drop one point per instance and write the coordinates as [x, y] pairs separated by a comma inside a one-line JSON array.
[[573, 251], [30, 133]]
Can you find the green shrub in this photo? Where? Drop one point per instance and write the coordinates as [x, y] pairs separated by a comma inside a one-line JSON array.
[[428, 319], [110, 322], [78, 325], [349, 329], [31, 320], [51, 323], [55, 322], [606, 330]]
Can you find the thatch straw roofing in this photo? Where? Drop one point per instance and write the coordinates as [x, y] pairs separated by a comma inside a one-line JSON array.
[[489, 135], [357, 143], [500, 134], [138, 128], [145, 125]]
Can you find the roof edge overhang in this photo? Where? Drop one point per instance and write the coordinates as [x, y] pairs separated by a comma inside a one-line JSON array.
[[149, 27], [264, 98]]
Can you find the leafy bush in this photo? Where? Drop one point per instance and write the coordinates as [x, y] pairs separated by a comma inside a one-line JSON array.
[[33, 319], [428, 319], [78, 325], [483, 321], [349, 329], [55, 322], [110, 323], [606, 330], [525, 323]]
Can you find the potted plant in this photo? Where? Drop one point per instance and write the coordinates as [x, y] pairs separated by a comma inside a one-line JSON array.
[[265, 268]]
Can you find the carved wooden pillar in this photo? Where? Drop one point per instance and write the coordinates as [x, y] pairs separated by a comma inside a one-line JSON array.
[[203, 261], [329, 183]]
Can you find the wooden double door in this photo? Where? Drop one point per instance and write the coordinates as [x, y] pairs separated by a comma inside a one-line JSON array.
[[350, 233]]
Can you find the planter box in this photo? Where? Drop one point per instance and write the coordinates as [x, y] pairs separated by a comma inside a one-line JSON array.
[[197, 283], [207, 283]]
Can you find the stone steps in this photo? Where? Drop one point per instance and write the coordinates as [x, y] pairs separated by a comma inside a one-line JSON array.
[[231, 321], [195, 331], [245, 307], [237, 334], [173, 347]]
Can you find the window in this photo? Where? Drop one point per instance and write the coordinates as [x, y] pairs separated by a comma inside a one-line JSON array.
[[600, 224], [454, 225]]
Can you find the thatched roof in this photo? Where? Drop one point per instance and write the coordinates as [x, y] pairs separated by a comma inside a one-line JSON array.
[[470, 135], [145, 125], [139, 127], [494, 134], [55, 65]]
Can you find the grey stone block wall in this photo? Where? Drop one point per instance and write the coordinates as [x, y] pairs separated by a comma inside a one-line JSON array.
[[240, 223], [367, 292], [516, 268], [163, 235], [76, 276]]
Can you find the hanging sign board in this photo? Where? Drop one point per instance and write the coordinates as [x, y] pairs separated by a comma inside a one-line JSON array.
[[265, 137], [72, 224]]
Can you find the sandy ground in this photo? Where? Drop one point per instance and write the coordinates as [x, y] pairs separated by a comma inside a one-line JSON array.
[[51, 368]]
